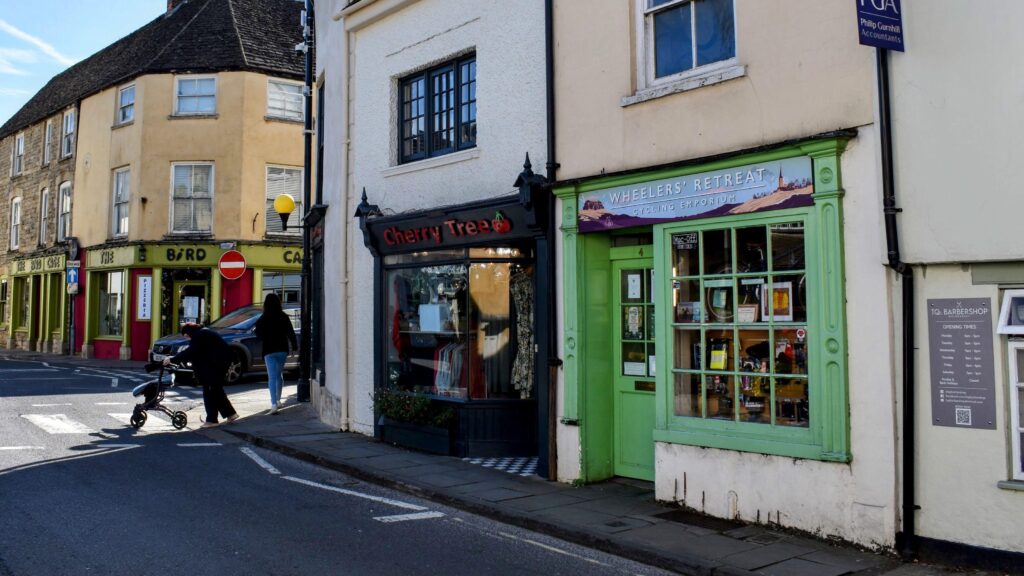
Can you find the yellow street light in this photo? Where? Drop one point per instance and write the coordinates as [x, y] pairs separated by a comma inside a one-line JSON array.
[[284, 205]]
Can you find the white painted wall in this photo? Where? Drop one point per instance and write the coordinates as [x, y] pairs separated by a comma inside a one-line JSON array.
[[387, 40], [331, 71], [855, 501], [957, 94], [958, 469]]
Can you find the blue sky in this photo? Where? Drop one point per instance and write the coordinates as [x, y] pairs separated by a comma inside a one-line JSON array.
[[41, 38]]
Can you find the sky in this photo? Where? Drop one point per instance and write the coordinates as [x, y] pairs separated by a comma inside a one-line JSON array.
[[41, 38]]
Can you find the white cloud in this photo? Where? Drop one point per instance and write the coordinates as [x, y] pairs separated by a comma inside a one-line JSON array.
[[8, 57], [13, 92], [38, 43]]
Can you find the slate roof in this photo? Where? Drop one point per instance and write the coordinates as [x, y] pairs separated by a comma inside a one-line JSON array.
[[196, 36]]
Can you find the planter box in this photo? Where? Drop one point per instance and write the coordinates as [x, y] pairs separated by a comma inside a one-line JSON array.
[[417, 437]]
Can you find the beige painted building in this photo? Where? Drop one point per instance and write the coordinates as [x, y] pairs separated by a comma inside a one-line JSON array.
[[689, 166]]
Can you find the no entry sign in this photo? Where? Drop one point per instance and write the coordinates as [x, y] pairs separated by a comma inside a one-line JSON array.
[[231, 265]]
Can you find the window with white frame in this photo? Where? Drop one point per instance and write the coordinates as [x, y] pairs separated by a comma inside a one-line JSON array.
[[15, 223], [192, 198], [1017, 407], [67, 142], [47, 142], [122, 193], [195, 95], [126, 104], [285, 100], [283, 180], [18, 155], [64, 212], [683, 38], [44, 213]]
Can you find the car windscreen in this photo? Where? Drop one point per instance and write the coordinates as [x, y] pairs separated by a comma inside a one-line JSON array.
[[239, 319]]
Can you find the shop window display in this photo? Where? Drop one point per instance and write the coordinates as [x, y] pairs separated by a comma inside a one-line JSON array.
[[461, 329], [740, 324]]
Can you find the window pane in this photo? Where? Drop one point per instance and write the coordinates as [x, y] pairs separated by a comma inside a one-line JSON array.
[[673, 46], [182, 181], [182, 214], [686, 301], [717, 251], [686, 254], [467, 101], [749, 295], [687, 349], [201, 181], [721, 397], [206, 104], [752, 249], [443, 117], [755, 392], [720, 356], [203, 214], [716, 39], [791, 402], [788, 299], [788, 246], [718, 300], [687, 398], [791, 351]]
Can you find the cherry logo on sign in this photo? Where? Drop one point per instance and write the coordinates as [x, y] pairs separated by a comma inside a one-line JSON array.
[[500, 224]]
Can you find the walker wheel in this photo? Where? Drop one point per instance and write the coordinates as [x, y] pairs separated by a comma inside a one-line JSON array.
[[179, 419], [138, 419]]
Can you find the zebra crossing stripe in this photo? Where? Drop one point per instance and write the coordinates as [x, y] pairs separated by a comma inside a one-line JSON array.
[[57, 423]]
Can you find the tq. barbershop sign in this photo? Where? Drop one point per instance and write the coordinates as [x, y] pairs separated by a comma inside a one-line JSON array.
[[751, 188]]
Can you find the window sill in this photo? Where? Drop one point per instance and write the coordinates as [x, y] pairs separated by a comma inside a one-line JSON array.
[[1017, 485], [188, 235], [776, 445], [213, 116], [428, 163], [298, 121], [685, 84], [283, 235], [65, 158], [122, 125]]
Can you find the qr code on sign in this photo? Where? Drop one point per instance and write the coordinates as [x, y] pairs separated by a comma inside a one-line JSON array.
[[963, 416]]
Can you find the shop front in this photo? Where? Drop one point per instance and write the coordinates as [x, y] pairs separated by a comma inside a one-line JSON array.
[[34, 299], [136, 293], [704, 309], [455, 329]]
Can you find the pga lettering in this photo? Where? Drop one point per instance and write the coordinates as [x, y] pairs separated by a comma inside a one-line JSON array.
[[186, 254], [882, 5]]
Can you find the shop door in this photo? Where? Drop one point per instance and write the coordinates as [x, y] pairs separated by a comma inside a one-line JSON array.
[[633, 308], [190, 303]]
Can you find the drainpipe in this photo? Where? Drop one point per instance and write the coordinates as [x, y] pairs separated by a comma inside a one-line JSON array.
[[551, 168], [905, 540]]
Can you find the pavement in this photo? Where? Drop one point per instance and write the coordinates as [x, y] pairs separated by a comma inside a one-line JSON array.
[[618, 516]]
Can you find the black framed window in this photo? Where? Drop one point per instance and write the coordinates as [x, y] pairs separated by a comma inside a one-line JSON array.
[[437, 110]]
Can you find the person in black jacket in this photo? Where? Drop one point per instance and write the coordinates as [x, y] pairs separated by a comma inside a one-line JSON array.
[[274, 329], [209, 355]]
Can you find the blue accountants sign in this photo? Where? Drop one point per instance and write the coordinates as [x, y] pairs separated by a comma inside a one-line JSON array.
[[880, 23]]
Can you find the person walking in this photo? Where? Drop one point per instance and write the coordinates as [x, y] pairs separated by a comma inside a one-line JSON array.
[[209, 355], [275, 330]]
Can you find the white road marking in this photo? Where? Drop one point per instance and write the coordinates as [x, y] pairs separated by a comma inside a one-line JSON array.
[[99, 446], [22, 448], [388, 501], [48, 405], [198, 444], [551, 548], [153, 423], [111, 403], [6, 370], [405, 517], [256, 458], [57, 423]]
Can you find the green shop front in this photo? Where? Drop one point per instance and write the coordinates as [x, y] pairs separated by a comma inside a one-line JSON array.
[[33, 303], [135, 293], [704, 306]]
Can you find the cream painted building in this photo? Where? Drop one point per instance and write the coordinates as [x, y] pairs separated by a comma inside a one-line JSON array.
[[955, 96], [726, 313], [177, 158]]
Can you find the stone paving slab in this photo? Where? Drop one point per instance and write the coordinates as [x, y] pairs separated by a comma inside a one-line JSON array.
[[544, 501], [766, 555], [801, 567]]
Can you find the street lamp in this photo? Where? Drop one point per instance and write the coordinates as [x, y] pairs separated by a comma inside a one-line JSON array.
[[284, 205]]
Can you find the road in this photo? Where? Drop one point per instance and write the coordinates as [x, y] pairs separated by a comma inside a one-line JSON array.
[[81, 492]]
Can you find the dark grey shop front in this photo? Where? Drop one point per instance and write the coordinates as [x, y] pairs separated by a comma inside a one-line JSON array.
[[456, 367]]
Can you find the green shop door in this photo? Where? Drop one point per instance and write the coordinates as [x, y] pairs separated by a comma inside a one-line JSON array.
[[190, 303], [633, 343]]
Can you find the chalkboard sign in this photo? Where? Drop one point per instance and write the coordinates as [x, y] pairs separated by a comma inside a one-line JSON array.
[[963, 379]]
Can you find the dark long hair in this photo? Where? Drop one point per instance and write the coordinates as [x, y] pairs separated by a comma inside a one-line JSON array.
[[272, 304]]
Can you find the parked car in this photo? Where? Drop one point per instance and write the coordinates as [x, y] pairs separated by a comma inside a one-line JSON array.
[[237, 329]]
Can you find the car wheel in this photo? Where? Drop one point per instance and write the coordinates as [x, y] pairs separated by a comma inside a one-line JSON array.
[[235, 368]]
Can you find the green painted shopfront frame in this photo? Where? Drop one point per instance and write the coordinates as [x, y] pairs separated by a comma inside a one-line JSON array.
[[588, 323]]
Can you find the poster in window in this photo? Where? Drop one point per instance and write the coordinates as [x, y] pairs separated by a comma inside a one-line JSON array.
[[632, 323], [782, 302]]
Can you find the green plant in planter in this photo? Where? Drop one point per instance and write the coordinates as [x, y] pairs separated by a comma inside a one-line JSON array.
[[412, 408]]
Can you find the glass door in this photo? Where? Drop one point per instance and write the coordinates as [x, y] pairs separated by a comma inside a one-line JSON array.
[[190, 303], [634, 376]]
